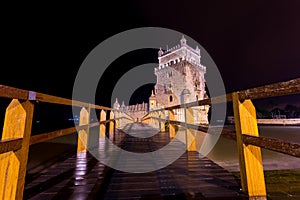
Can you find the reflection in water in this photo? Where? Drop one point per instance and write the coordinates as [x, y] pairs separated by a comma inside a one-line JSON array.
[[225, 151], [80, 169]]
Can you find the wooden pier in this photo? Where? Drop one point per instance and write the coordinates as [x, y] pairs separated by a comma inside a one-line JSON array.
[[81, 176]]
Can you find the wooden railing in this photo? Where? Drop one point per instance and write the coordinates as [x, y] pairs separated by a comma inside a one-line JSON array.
[[17, 137], [246, 131]]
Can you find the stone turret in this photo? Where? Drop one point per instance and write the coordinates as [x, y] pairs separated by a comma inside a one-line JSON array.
[[183, 41], [123, 106], [179, 70], [152, 101], [116, 105]]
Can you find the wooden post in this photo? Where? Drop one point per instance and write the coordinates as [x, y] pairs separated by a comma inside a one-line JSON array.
[[171, 126], [250, 160], [111, 123], [102, 125], [83, 135], [162, 122], [17, 124], [111, 128], [190, 133]]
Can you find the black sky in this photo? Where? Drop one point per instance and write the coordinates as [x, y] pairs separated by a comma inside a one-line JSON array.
[[252, 42]]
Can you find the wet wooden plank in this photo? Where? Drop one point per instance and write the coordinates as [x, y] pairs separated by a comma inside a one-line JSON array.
[[188, 177], [189, 174]]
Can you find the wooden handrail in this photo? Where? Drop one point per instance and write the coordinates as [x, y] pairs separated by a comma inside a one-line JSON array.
[[63, 101], [118, 118], [274, 144], [18, 126], [145, 116], [129, 117], [51, 135], [24, 113], [271, 90], [10, 145], [43, 137], [16, 93], [269, 143], [13, 93]]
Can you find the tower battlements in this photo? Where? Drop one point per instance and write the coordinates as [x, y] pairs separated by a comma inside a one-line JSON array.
[[179, 53], [180, 79]]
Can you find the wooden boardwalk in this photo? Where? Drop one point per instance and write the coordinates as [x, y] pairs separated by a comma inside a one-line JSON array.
[[84, 177]]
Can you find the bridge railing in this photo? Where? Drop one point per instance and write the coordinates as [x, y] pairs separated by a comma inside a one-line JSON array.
[[122, 118], [245, 134], [17, 137]]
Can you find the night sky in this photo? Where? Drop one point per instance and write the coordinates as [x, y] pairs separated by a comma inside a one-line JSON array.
[[252, 42]]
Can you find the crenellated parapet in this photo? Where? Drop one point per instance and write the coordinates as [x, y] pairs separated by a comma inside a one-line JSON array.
[[179, 70], [179, 54], [135, 111]]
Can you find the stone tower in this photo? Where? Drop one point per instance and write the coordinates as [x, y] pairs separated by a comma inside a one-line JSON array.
[[152, 102], [180, 79]]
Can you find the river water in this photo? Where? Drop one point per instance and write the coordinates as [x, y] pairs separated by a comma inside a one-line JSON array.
[[225, 153]]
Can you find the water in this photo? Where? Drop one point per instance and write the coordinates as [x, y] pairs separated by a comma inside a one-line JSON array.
[[225, 152]]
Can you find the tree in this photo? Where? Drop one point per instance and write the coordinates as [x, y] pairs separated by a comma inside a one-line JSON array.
[[290, 110], [262, 112]]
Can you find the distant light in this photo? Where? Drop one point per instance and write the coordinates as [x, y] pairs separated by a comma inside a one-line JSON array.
[[37, 121]]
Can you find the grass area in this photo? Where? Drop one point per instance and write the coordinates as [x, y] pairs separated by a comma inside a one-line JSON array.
[[281, 184]]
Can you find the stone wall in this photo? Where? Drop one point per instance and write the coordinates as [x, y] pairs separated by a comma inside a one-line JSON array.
[[135, 111], [180, 79]]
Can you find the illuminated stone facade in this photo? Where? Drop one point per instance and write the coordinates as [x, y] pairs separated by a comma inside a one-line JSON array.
[[135, 111], [180, 79]]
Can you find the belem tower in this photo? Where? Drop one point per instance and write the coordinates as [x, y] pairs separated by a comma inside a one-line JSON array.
[[179, 79]]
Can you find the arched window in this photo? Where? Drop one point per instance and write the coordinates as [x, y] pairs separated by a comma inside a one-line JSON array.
[[171, 98]]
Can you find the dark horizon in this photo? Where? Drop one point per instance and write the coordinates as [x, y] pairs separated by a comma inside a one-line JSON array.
[[252, 43]]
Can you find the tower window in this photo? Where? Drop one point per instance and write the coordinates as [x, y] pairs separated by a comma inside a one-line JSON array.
[[152, 103], [171, 98], [165, 88]]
